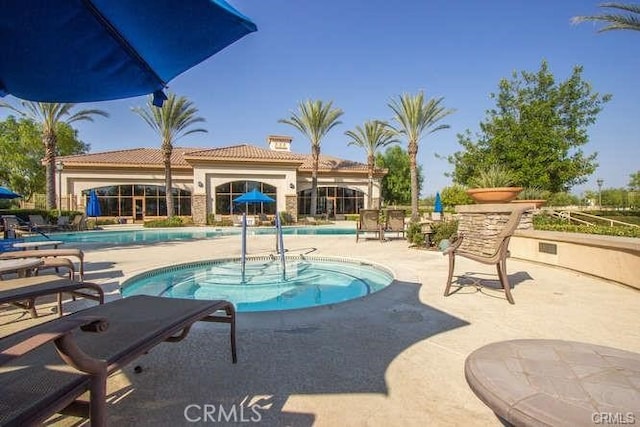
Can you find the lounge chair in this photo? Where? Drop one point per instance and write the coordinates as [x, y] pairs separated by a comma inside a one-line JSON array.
[[237, 220], [498, 256], [395, 222], [38, 223], [310, 220], [369, 222], [63, 223], [48, 253], [22, 292], [35, 381], [14, 227], [78, 223]]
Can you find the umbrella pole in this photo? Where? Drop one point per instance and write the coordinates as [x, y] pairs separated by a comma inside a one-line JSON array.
[[243, 259]]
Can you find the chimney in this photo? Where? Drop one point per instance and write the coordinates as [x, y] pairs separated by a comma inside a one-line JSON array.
[[279, 142]]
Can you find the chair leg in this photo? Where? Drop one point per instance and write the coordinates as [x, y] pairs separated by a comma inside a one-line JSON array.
[[504, 280], [452, 262]]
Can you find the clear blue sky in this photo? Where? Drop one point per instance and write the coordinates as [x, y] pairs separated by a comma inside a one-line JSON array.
[[361, 53]]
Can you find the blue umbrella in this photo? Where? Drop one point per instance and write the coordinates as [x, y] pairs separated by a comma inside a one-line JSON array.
[[97, 50], [253, 196], [5, 193], [93, 207], [437, 206]]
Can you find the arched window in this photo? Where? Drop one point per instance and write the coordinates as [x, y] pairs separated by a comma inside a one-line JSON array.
[[331, 201], [225, 193], [118, 200]]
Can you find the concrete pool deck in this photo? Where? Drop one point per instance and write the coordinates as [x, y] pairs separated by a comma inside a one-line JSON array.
[[394, 358]]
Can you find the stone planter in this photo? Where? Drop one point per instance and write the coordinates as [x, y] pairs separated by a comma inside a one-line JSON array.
[[494, 195]]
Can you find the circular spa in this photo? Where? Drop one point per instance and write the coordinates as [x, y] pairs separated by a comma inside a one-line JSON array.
[[266, 285]]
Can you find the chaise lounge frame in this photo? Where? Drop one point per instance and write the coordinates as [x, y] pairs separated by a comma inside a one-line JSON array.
[[497, 258], [369, 222], [48, 253], [24, 291], [37, 384]]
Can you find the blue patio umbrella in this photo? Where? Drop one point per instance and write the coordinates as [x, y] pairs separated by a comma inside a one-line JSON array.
[[253, 196], [5, 193], [437, 206], [97, 50], [93, 207]]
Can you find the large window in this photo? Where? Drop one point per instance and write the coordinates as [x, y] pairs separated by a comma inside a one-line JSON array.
[[117, 200], [225, 194], [331, 201]]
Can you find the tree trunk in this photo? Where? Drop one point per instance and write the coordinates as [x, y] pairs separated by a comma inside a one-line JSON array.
[[315, 153], [413, 153], [49, 140], [370, 166], [166, 153]]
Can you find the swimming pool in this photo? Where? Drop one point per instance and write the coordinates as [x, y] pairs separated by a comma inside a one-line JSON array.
[[305, 282], [153, 235]]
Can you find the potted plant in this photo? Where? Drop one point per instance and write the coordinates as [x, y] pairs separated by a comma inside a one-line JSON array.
[[493, 185], [532, 195]]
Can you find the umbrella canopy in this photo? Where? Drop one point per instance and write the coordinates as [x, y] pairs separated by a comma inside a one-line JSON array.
[[97, 50], [253, 196], [93, 207], [5, 193], [437, 205]]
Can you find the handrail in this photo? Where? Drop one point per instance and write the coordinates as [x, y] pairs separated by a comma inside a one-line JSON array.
[[611, 221]]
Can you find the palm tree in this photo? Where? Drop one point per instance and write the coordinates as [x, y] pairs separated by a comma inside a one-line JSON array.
[[375, 134], [615, 21], [48, 116], [172, 121], [314, 120], [414, 117]]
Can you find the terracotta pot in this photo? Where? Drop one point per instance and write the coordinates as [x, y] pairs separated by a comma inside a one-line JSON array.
[[536, 202], [494, 195]]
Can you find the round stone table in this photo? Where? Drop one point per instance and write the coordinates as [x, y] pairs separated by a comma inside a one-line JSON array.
[[556, 383]]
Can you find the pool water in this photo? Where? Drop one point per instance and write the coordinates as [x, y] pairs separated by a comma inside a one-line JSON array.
[[153, 235], [305, 282]]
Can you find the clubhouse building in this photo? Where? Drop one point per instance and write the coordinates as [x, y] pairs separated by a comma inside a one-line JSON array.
[[131, 183]]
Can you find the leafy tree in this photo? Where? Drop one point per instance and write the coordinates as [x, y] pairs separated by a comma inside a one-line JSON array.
[[48, 116], [563, 199], [22, 151], [455, 195], [314, 119], [372, 136], [396, 185], [415, 117], [536, 130], [634, 181], [615, 21], [171, 122]]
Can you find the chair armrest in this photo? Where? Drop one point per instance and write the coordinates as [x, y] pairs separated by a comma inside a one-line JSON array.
[[32, 338]]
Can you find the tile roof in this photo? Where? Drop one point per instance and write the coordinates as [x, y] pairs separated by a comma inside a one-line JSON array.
[[132, 157], [152, 157]]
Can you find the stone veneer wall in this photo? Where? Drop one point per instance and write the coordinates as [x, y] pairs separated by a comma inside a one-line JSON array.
[[291, 206], [481, 223], [199, 208]]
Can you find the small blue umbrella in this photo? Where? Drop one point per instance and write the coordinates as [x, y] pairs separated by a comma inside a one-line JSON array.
[[437, 206], [5, 193], [93, 207], [253, 196], [84, 51]]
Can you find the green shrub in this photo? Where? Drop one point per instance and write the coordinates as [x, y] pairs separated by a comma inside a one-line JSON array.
[[414, 234], [622, 231], [493, 176], [443, 230], [174, 221]]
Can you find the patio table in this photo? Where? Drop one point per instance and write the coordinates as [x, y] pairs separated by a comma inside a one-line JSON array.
[[21, 266], [37, 245], [539, 382]]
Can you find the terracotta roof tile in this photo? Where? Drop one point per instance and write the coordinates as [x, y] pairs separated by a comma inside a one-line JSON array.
[[132, 157], [152, 157], [246, 152]]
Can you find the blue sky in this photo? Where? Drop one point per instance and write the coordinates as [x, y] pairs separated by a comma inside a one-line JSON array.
[[361, 53]]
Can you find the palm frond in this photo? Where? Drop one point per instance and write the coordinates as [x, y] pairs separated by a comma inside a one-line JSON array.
[[614, 21]]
